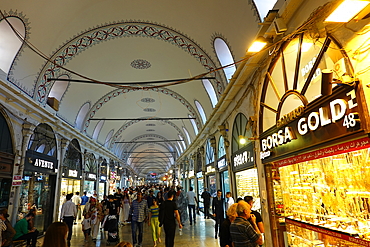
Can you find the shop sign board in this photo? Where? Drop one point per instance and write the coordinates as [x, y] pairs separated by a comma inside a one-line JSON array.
[[199, 174], [210, 169], [221, 163], [40, 162], [243, 158], [17, 180], [90, 176], [103, 178], [73, 173], [191, 174], [323, 120]]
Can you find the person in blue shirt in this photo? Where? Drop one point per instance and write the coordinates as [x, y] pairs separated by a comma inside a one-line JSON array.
[[84, 200]]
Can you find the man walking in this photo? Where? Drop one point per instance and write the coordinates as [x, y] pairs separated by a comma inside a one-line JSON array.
[[168, 214], [218, 211], [138, 214], [76, 199], [68, 214], [206, 202], [192, 199], [84, 200]]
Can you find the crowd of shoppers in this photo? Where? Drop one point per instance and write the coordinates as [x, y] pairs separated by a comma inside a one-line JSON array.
[[156, 205]]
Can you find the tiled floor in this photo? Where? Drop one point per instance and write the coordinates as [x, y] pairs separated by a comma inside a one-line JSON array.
[[200, 234]]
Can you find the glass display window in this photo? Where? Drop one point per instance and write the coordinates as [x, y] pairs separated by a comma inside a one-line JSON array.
[[225, 182], [36, 193], [331, 192], [5, 185], [89, 187], [247, 185], [70, 186]]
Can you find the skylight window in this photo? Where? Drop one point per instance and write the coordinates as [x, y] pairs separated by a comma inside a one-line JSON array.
[[194, 125], [210, 91], [201, 111], [224, 56], [9, 42], [59, 88], [82, 115], [187, 135], [97, 129]]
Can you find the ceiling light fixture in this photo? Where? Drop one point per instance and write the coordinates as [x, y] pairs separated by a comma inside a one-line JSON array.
[[347, 10], [258, 44], [242, 140]]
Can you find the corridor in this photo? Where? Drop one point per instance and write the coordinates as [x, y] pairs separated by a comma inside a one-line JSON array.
[[200, 234]]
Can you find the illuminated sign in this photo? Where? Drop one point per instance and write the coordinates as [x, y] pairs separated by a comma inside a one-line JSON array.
[[91, 176], [333, 117], [73, 173], [103, 178], [191, 174], [210, 169], [199, 174], [221, 163], [44, 164], [243, 158]]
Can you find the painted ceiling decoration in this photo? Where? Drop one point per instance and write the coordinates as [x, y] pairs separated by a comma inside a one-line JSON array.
[[118, 92], [110, 31], [113, 69]]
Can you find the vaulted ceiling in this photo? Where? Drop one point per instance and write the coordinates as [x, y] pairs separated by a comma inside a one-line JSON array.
[[120, 50]]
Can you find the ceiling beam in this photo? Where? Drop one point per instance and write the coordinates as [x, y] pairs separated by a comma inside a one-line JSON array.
[[149, 118]]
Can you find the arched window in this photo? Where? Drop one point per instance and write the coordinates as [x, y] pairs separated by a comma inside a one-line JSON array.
[[59, 87], [194, 125], [210, 91], [9, 42], [225, 57], [182, 142], [82, 115], [221, 148], [187, 135], [201, 111], [108, 139], [210, 153], [239, 129], [97, 129], [180, 146], [43, 140]]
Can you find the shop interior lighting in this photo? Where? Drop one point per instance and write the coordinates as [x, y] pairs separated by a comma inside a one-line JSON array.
[[258, 44], [347, 10], [306, 46], [242, 140]]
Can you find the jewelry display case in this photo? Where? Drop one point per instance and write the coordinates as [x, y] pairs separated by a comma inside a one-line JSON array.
[[331, 193]]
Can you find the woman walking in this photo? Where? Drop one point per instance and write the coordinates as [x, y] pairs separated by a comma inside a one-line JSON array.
[[126, 202], [154, 222]]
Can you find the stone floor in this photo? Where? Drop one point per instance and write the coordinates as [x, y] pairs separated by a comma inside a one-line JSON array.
[[200, 234]]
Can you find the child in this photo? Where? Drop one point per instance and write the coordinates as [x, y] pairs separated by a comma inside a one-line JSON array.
[[154, 222], [86, 226]]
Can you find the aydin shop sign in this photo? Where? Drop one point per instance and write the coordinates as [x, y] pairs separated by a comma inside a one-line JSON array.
[[336, 111]]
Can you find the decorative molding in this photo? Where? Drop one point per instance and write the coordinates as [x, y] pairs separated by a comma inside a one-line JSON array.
[[106, 32]]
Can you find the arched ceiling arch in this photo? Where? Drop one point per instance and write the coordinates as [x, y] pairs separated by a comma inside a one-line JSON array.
[[131, 42]]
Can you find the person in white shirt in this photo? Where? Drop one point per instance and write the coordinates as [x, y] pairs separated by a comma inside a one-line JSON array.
[[229, 200], [192, 199], [76, 199], [68, 214]]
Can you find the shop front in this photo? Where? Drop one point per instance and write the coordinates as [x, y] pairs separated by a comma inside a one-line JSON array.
[[246, 176], [191, 178], [200, 182], [222, 167], [103, 180], [90, 183], [6, 162], [38, 187], [224, 174], [316, 155], [211, 179]]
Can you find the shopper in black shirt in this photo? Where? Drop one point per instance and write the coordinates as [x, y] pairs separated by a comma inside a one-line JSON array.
[[168, 215], [112, 206]]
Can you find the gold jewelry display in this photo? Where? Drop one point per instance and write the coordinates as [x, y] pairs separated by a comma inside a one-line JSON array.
[[331, 192]]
